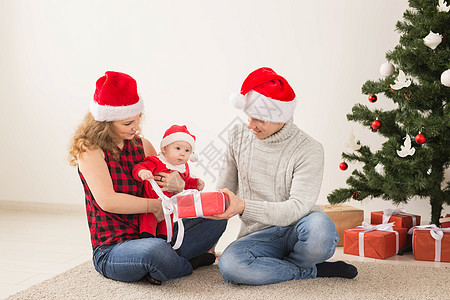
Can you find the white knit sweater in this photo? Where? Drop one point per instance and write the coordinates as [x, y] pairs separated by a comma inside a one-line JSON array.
[[279, 177]]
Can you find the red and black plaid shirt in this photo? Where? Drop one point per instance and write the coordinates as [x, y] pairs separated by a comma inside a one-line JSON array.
[[109, 228]]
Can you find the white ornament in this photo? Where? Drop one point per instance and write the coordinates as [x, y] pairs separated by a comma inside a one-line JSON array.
[[432, 40], [401, 81], [379, 168], [406, 149], [429, 171], [352, 143], [442, 7], [445, 78], [387, 69]]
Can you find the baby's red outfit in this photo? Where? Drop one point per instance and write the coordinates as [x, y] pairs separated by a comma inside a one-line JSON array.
[[148, 224]]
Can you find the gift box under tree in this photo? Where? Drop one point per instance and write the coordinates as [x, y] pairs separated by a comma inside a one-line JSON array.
[[400, 217], [344, 217], [431, 243], [375, 241]]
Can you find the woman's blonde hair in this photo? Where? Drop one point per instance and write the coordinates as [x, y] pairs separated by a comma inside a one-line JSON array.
[[92, 134]]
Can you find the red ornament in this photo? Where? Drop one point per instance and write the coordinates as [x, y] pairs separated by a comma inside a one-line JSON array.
[[420, 138], [343, 166], [376, 125], [373, 98]]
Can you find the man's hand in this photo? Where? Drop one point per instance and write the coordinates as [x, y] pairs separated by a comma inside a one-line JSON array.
[[171, 182], [236, 207]]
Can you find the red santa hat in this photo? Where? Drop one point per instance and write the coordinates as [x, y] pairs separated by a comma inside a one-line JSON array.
[[266, 96], [178, 133], [115, 98]]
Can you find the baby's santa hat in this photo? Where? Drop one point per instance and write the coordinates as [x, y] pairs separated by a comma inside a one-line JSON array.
[[178, 133], [115, 98], [266, 96]]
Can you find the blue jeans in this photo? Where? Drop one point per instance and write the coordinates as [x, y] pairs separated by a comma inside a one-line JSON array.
[[278, 254], [133, 259]]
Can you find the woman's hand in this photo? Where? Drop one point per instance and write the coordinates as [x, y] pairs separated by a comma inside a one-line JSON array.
[[156, 209], [170, 182], [236, 207]]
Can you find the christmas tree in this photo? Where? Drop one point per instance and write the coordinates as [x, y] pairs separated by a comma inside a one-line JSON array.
[[416, 77]]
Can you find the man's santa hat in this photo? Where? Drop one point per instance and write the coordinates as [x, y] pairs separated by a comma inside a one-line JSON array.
[[178, 133], [266, 96], [115, 98]]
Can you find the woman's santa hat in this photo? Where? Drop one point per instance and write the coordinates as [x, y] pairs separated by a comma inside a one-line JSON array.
[[178, 133], [266, 96], [115, 98]]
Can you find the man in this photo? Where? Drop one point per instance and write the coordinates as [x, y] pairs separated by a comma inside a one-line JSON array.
[[276, 171]]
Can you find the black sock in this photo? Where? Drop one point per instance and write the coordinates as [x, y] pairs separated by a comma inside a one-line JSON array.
[[205, 259], [336, 269]]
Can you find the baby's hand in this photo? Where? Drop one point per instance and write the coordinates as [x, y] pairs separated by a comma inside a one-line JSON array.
[[200, 185], [145, 174]]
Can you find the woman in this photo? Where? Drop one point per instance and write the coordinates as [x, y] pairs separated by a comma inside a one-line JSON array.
[[105, 147]]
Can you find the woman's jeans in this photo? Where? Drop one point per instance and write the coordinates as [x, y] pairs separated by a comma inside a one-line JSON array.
[[133, 259], [278, 254]]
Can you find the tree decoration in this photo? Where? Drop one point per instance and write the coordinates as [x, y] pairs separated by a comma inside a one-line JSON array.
[[445, 78], [386, 69], [343, 166], [443, 7], [376, 124], [373, 98], [401, 81], [432, 40], [397, 171], [379, 168], [406, 149], [420, 138], [407, 95], [352, 143]]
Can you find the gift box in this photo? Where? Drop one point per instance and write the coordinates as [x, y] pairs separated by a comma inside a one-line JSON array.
[[431, 243], [344, 217], [400, 218], [201, 204], [445, 221], [375, 241]]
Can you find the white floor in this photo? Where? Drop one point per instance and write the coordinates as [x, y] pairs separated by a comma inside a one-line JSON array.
[[38, 241]]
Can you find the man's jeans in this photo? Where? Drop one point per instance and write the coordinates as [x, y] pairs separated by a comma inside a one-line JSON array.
[[278, 254], [133, 259]]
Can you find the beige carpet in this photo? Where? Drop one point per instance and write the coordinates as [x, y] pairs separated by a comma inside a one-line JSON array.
[[375, 281]]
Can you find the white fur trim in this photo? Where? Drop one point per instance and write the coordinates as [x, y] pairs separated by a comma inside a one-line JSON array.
[[178, 136], [267, 109], [115, 113], [180, 168]]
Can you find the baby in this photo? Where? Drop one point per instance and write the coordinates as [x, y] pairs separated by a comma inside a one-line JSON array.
[[177, 146]]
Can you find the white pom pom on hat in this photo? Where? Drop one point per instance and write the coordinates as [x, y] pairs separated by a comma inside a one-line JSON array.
[[267, 96], [194, 157], [237, 100]]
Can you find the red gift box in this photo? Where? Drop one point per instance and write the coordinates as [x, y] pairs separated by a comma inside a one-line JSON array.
[[399, 216], [201, 204], [378, 241], [431, 243]]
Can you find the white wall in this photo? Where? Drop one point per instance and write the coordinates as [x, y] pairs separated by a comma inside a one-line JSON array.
[[187, 56]]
